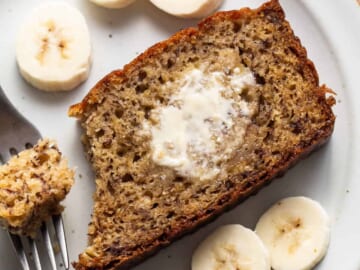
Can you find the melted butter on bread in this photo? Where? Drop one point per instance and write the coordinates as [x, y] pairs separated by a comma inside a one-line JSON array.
[[190, 131]]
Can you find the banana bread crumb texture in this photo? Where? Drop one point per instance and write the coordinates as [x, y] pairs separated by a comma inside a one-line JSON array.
[[32, 184], [146, 197]]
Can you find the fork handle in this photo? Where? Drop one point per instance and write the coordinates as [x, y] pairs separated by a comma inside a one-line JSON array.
[[7, 112], [5, 104], [6, 108]]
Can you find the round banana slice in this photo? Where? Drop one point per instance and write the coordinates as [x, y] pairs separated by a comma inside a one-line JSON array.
[[231, 247], [53, 48], [113, 3], [188, 8], [296, 231]]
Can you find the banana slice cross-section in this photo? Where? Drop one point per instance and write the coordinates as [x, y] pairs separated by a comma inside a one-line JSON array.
[[188, 8], [296, 231], [53, 47], [231, 247], [112, 3]]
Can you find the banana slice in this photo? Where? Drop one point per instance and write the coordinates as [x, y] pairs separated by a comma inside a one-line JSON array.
[[188, 8], [231, 247], [53, 48], [296, 232], [113, 3]]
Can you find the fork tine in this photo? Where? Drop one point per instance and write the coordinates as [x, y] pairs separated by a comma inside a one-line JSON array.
[[60, 235], [35, 254], [20, 252], [48, 245]]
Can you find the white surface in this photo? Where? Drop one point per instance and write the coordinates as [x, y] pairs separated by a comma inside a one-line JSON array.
[[329, 30]]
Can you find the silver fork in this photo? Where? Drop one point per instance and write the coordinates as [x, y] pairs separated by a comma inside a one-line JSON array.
[[16, 134]]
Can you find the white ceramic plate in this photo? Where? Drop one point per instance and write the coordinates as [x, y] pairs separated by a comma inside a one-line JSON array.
[[329, 29]]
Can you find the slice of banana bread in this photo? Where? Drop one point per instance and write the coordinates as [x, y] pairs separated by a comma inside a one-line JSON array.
[[194, 125], [32, 184]]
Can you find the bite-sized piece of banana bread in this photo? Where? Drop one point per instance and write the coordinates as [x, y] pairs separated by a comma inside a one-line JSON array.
[[194, 125], [32, 184]]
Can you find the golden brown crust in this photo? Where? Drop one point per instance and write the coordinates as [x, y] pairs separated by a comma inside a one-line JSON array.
[[256, 179], [94, 96], [225, 204]]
